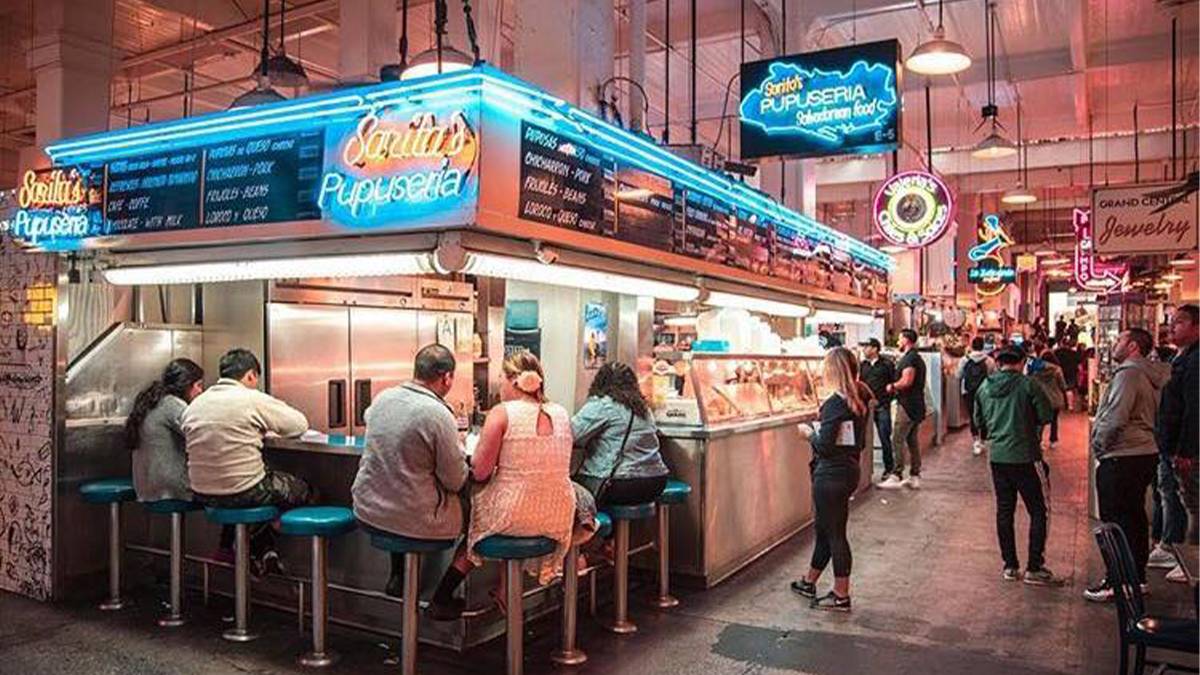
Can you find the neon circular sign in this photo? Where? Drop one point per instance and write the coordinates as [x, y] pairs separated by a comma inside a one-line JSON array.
[[913, 209]]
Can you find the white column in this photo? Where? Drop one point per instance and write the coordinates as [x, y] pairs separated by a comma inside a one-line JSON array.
[[565, 47], [71, 56], [367, 38], [637, 61]]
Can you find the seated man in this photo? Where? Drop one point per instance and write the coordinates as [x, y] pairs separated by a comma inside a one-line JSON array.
[[224, 429], [414, 464]]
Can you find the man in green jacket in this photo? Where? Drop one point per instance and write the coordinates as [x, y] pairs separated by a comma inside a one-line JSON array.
[[1010, 409]]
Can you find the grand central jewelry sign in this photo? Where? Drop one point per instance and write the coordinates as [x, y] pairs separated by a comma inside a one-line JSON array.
[[1142, 219]]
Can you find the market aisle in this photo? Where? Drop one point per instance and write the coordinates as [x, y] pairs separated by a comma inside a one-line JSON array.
[[928, 598]]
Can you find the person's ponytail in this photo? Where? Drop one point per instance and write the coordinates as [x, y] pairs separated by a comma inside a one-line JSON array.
[[176, 380]]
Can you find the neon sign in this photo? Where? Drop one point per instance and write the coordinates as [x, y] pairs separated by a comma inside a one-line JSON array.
[[392, 166], [822, 103], [913, 209], [990, 272], [57, 209], [1090, 273]]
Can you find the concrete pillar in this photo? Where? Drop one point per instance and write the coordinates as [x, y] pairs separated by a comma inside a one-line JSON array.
[[367, 38], [71, 56], [637, 62], [565, 47], [486, 14]]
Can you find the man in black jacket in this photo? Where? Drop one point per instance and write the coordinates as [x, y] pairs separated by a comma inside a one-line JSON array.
[[877, 372], [1178, 423]]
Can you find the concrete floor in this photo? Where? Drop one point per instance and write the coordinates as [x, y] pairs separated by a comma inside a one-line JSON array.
[[927, 591]]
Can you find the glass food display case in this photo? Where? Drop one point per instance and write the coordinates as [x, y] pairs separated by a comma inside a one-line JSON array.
[[710, 390]]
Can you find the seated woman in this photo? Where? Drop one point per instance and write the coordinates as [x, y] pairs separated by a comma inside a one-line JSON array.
[[614, 428], [155, 437], [523, 460]]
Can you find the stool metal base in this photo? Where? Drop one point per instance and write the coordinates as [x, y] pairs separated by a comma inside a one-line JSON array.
[[318, 659], [665, 602], [114, 604], [239, 635], [569, 658], [623, 627], [171, 621]]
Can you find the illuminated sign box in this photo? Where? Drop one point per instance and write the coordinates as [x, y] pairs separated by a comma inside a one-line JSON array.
[[992, 275], [832, 102]]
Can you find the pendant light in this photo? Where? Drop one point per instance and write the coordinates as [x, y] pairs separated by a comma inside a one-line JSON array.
[[938, 56], [280, 69], [262, 92], [1020, 194], [442, 58], [994, 145]]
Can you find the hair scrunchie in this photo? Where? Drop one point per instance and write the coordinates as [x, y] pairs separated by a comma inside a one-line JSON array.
[[528, 381]]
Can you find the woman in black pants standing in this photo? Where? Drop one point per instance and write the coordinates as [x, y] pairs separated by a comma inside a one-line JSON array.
[[835, 473]]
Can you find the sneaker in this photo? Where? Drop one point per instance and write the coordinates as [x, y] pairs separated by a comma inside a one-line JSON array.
[[977, 448], [1041, 577], [913, 483], [891, 482], [1011, 574], [1101, 592], [272, 564], [805, 589], [1161, 557], [831, 602], [446, 611], [1177, 575]]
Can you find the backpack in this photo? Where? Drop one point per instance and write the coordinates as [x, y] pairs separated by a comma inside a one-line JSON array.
[[974, 373]]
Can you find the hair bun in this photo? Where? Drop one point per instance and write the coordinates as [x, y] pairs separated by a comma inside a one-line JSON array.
[[529, 382]]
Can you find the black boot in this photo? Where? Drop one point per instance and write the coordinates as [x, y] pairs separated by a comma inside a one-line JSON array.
[[444, 606], [395, 584]]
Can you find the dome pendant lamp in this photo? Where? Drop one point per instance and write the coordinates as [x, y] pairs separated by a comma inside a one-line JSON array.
[[994, 145], [442, 58], [938, 56], [1020, 194]]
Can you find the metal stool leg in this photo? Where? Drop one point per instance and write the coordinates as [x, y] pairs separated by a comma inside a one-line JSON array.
[[241, 588], [516, 618], [569, 655], [174, 617], [114, 601], [664, 600], [319, 657], [408, 623], [621, 623]]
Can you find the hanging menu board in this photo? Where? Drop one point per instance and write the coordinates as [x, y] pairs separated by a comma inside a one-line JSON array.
[[149, 194], [708, 228], [263, 180], [645, 208], [564, 183]]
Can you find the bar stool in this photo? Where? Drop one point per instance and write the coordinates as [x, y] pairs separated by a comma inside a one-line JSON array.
[[512, 550], [240, 518], [319, 523], [570, 654], [412, 549], [676, 492], [621, 516], [111, 491], [177, 509]]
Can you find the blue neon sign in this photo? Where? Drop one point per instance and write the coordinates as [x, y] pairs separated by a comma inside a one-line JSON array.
[[831, 102]]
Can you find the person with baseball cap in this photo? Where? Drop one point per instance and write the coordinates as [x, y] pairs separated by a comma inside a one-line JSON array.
[[877, 372], [1010, 410], [909, 390]]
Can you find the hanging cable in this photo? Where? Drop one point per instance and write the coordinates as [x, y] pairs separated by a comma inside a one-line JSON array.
[[693, 127], [439, 27], [472, 35], [666, 134], [403, 35]]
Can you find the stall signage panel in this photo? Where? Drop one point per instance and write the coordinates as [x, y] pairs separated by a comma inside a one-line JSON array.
[[913, 209], [830, 102], [263, 180], [399, 165], [1091, 273], [58, 208], [990, 274], [1157, 218], [565, 183], [154, 193]]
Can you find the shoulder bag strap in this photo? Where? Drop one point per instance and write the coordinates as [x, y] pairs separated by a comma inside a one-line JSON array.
[[617, 464]]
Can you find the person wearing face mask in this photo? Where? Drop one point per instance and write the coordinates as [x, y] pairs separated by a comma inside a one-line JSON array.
[[414, 465], [1123, 441], [154, 433]]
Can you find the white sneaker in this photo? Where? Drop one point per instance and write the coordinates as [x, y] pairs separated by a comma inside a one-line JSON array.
[[1176, 575], [1053, 444], [913, 483], [891, 482], [1161, 557], [977, 448]]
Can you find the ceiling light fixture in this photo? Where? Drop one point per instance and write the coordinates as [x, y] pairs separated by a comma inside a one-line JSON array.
[[761, 305], [369, 265], [533, 271], [277, 69], [442, 58], [1020, 194], [1172, 276], [938, 56], [1184, 260], [994, 145], [1046, 253]]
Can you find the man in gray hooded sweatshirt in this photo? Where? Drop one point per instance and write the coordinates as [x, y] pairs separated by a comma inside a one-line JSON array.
[[1123, 442]]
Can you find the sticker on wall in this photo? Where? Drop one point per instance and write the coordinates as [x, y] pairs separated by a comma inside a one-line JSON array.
[[595, 335], [913, 209]]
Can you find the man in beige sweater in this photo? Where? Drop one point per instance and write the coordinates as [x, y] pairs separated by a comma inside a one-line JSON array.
[[224, 428]]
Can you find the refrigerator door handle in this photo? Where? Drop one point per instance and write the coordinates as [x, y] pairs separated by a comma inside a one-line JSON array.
[[337, 404], [362, 401]]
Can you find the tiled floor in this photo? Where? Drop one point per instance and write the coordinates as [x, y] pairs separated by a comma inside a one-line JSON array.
[[927, 591]]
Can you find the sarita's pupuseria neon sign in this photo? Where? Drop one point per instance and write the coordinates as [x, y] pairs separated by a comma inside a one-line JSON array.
[[387, 162], [57, 208]]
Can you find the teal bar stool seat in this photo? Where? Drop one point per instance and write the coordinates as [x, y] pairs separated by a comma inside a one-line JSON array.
[[621, 516], [604, 525], [177, 509], [111, 491], [412, 549], [513, 550], [676, 492], [319, 523], [240, 518]]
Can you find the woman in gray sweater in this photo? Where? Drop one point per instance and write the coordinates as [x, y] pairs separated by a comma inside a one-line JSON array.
[[155, 437]]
